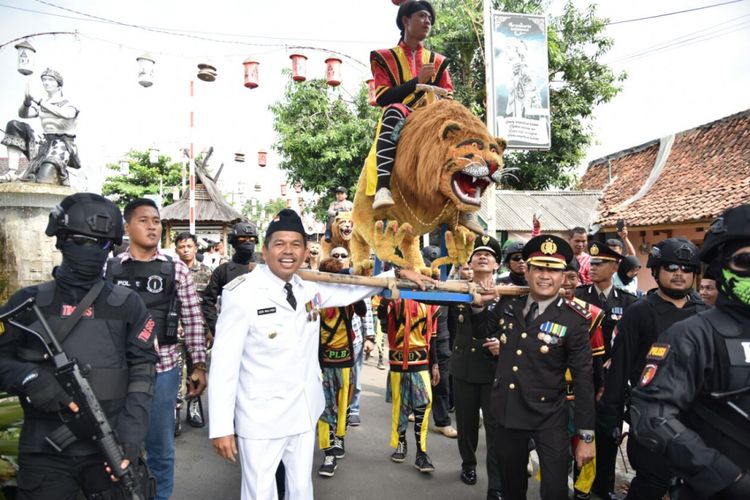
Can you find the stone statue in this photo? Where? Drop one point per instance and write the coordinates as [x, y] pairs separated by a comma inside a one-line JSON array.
[[51, 155]]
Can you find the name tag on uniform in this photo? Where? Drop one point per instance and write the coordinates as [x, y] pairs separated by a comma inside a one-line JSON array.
[[266, 310]]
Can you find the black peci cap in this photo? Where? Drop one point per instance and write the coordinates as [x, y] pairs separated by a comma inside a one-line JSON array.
[[286, 220]]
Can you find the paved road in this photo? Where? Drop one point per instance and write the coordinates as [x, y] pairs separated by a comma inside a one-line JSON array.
[[365, 473]]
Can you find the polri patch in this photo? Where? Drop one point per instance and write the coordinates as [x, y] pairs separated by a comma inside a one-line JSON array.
[[657, 352], [266, 310], [648, 374]]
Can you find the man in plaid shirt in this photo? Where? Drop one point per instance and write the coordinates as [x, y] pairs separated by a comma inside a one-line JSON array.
[[159, 280]]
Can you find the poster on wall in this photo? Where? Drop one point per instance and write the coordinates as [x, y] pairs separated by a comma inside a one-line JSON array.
[[519, 80]]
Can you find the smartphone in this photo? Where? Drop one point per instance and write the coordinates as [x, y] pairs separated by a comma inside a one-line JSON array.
[[620, 224]]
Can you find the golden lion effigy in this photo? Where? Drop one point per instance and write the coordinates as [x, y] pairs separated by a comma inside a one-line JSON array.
[[445, 161], [342, 229]]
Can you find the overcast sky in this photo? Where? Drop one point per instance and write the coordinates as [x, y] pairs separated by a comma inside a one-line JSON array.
[[684, 70]]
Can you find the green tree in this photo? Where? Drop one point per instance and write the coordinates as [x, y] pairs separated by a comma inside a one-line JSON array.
[[264, 211], [323, 138], [143, 178], [581, 82]]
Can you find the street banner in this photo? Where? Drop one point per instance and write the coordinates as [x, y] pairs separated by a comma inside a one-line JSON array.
[[518, 80]]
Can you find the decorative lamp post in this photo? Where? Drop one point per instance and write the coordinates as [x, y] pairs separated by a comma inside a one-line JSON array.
[[145, 70], [299, 67], [124, 167], [153, 156], [262, 156], [251, 72], [26, 55], [283, 189], [371, 99], [333, 71], [206, 72]]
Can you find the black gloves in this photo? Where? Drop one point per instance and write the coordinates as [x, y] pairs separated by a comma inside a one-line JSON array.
[[739, 489], [44, 392]]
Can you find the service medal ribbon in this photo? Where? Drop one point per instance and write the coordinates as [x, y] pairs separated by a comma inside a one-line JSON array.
[[554, 328]]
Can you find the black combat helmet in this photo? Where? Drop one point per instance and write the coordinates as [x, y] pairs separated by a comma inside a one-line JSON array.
[[512, 248], [674, 251], [732, 225], [88, 214], [242, 229]]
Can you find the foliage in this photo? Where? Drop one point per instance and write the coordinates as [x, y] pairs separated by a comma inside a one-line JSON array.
[[143, 178], [576, 43], [323, 138], [265, 211]]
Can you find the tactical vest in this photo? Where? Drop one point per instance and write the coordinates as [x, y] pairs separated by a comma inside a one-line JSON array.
[[96, 341], [156, 284], [234, 270], [716, 420], [336, 344], [411, 324]]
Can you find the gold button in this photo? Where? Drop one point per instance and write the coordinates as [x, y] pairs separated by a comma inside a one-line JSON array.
[[542, 398], [544, 349], [460, 318], [272, 335], [519, 352], [523, 335], [473, 349], [512, 386], [515, 368]]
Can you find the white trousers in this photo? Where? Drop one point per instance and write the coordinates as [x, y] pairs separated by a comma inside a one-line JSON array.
[[260, 458]]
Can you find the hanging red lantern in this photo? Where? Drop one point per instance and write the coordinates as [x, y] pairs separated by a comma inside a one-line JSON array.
[[299, 67], [251, 73], [283, 189], [333, 71], [397, 2], [262, 158], [371, 99]]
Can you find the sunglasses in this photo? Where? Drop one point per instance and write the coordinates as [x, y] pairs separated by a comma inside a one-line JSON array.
[[339, 255], [517, 258], [741, 261], [245, 239], [88, 241], [685, 268]]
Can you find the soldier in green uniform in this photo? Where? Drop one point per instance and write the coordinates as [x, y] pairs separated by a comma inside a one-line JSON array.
[[541, 336]]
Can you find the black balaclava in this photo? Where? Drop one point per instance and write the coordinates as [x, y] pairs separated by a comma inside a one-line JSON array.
[[82, 266], [628, 264], [243, 252]]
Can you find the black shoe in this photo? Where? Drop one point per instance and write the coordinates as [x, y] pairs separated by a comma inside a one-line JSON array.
[[609, 495], [469, 476], [423, 463], [494, 495], [337, 448], [400, 454], [579, 495], [177, 427], [194, 416], [328, 466], [354, 420]]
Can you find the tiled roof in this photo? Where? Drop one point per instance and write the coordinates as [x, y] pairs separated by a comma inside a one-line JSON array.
[[560, 210], [210, 205], [706, 172]]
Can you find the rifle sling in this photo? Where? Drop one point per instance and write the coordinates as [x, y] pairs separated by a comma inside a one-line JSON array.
[[73, 319]]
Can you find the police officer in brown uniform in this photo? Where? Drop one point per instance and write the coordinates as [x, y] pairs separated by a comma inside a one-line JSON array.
[[541, 336]]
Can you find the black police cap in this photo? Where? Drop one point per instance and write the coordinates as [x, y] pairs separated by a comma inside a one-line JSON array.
[[488, 244], [547, 250], [286, 220], [602, 253]]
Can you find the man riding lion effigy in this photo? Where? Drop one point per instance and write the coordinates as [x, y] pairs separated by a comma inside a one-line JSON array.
[[431, 160]]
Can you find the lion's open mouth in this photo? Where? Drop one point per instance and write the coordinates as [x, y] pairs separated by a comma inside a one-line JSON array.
[[469, 188], [346, 231]]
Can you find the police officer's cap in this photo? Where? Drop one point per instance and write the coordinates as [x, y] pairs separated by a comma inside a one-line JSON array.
[[512, 248], [732, 225], [547, 251], [341, 189], [488, 244], [674, 251], [410, 7], [601, 253], [244, 228], [87, 214], [286, 220]]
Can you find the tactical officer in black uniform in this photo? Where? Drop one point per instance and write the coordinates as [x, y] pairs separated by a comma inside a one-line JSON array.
[[514, 262], [243, 237], [674, 264], [473, 370], [692, 402], [541, 335], [113, 337], [614, 302]]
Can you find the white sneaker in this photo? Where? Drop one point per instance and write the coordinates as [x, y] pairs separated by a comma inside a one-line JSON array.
[[383, 199]]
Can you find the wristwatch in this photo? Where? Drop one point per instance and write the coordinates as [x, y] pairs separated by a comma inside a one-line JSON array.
[[586, 436]]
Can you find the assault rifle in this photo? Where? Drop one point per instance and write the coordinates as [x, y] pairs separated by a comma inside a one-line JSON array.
[[89, 421]]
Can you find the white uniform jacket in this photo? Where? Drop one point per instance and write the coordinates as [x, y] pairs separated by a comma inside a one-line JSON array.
[[264, 381]]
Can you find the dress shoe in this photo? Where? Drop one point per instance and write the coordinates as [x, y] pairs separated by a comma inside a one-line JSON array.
[[494, 495], [448, 431], [469, 476]]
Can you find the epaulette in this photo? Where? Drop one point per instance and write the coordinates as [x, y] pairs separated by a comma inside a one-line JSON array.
[[235, 282], [580, 307]]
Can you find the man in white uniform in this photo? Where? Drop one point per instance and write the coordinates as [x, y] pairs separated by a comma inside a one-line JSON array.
[[265, 377]]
